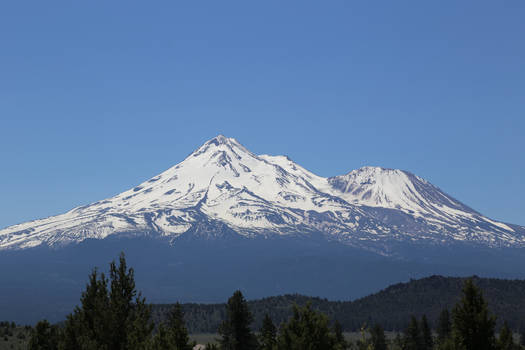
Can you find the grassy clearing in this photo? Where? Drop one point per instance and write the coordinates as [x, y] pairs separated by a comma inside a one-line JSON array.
[[204, 338]]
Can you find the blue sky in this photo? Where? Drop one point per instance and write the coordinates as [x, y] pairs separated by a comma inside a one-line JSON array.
[[98, 96]]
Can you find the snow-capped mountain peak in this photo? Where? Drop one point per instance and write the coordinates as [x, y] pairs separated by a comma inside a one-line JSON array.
[[395, 189], [221, 144], [376, 186], [222, 184]]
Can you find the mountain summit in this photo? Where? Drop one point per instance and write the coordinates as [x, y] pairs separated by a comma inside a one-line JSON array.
[[222, 188]]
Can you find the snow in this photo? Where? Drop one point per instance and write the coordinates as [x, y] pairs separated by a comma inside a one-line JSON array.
[[379, 187], [257, 194], [499, 224]]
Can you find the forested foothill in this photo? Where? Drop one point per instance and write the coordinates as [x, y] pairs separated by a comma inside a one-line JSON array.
[[391, 307], [112, 314]]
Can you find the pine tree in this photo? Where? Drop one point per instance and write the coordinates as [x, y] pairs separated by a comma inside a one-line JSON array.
[[173, 335], [427, 342], [44, 337], [444, 328], [88, 326], [178, 329], [378, 338], [340, 341], [268, 336], [235, 330], [412, 336], [161, 340], [140, 325], [306, 330], [122, 291], [110, 317], [473, 325], [505, 339]]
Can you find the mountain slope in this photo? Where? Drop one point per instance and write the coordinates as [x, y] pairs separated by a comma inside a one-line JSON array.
[[222, 187]]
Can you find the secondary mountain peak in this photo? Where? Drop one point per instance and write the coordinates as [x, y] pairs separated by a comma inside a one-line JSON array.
[[397, 189], [376, 186]]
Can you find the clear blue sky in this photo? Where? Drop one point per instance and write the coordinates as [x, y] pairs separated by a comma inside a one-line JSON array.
[[98, 96]]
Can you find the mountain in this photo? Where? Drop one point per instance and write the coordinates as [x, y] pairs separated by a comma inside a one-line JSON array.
[[225, 219], [224, 188], [391, 307]]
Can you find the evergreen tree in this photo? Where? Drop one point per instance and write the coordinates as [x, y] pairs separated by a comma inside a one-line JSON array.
[[340, 340], [444, 327], [505, 339], [173, 335], [268, 336], [306, 330], [473, 325], [110, 317], [140, 326], [427, 342], [377, 338], [88, 326], [161, 340], [125, 327], [44, 337], [178, 329], [235, 330], [412, 336]]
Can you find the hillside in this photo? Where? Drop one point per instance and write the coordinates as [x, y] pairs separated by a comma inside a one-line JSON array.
[[391, 307]]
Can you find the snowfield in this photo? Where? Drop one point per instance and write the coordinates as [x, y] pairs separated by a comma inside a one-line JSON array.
[[222, 184]]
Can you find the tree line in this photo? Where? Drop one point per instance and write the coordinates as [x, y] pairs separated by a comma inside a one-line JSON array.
[[112, 315], [391, 307]]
